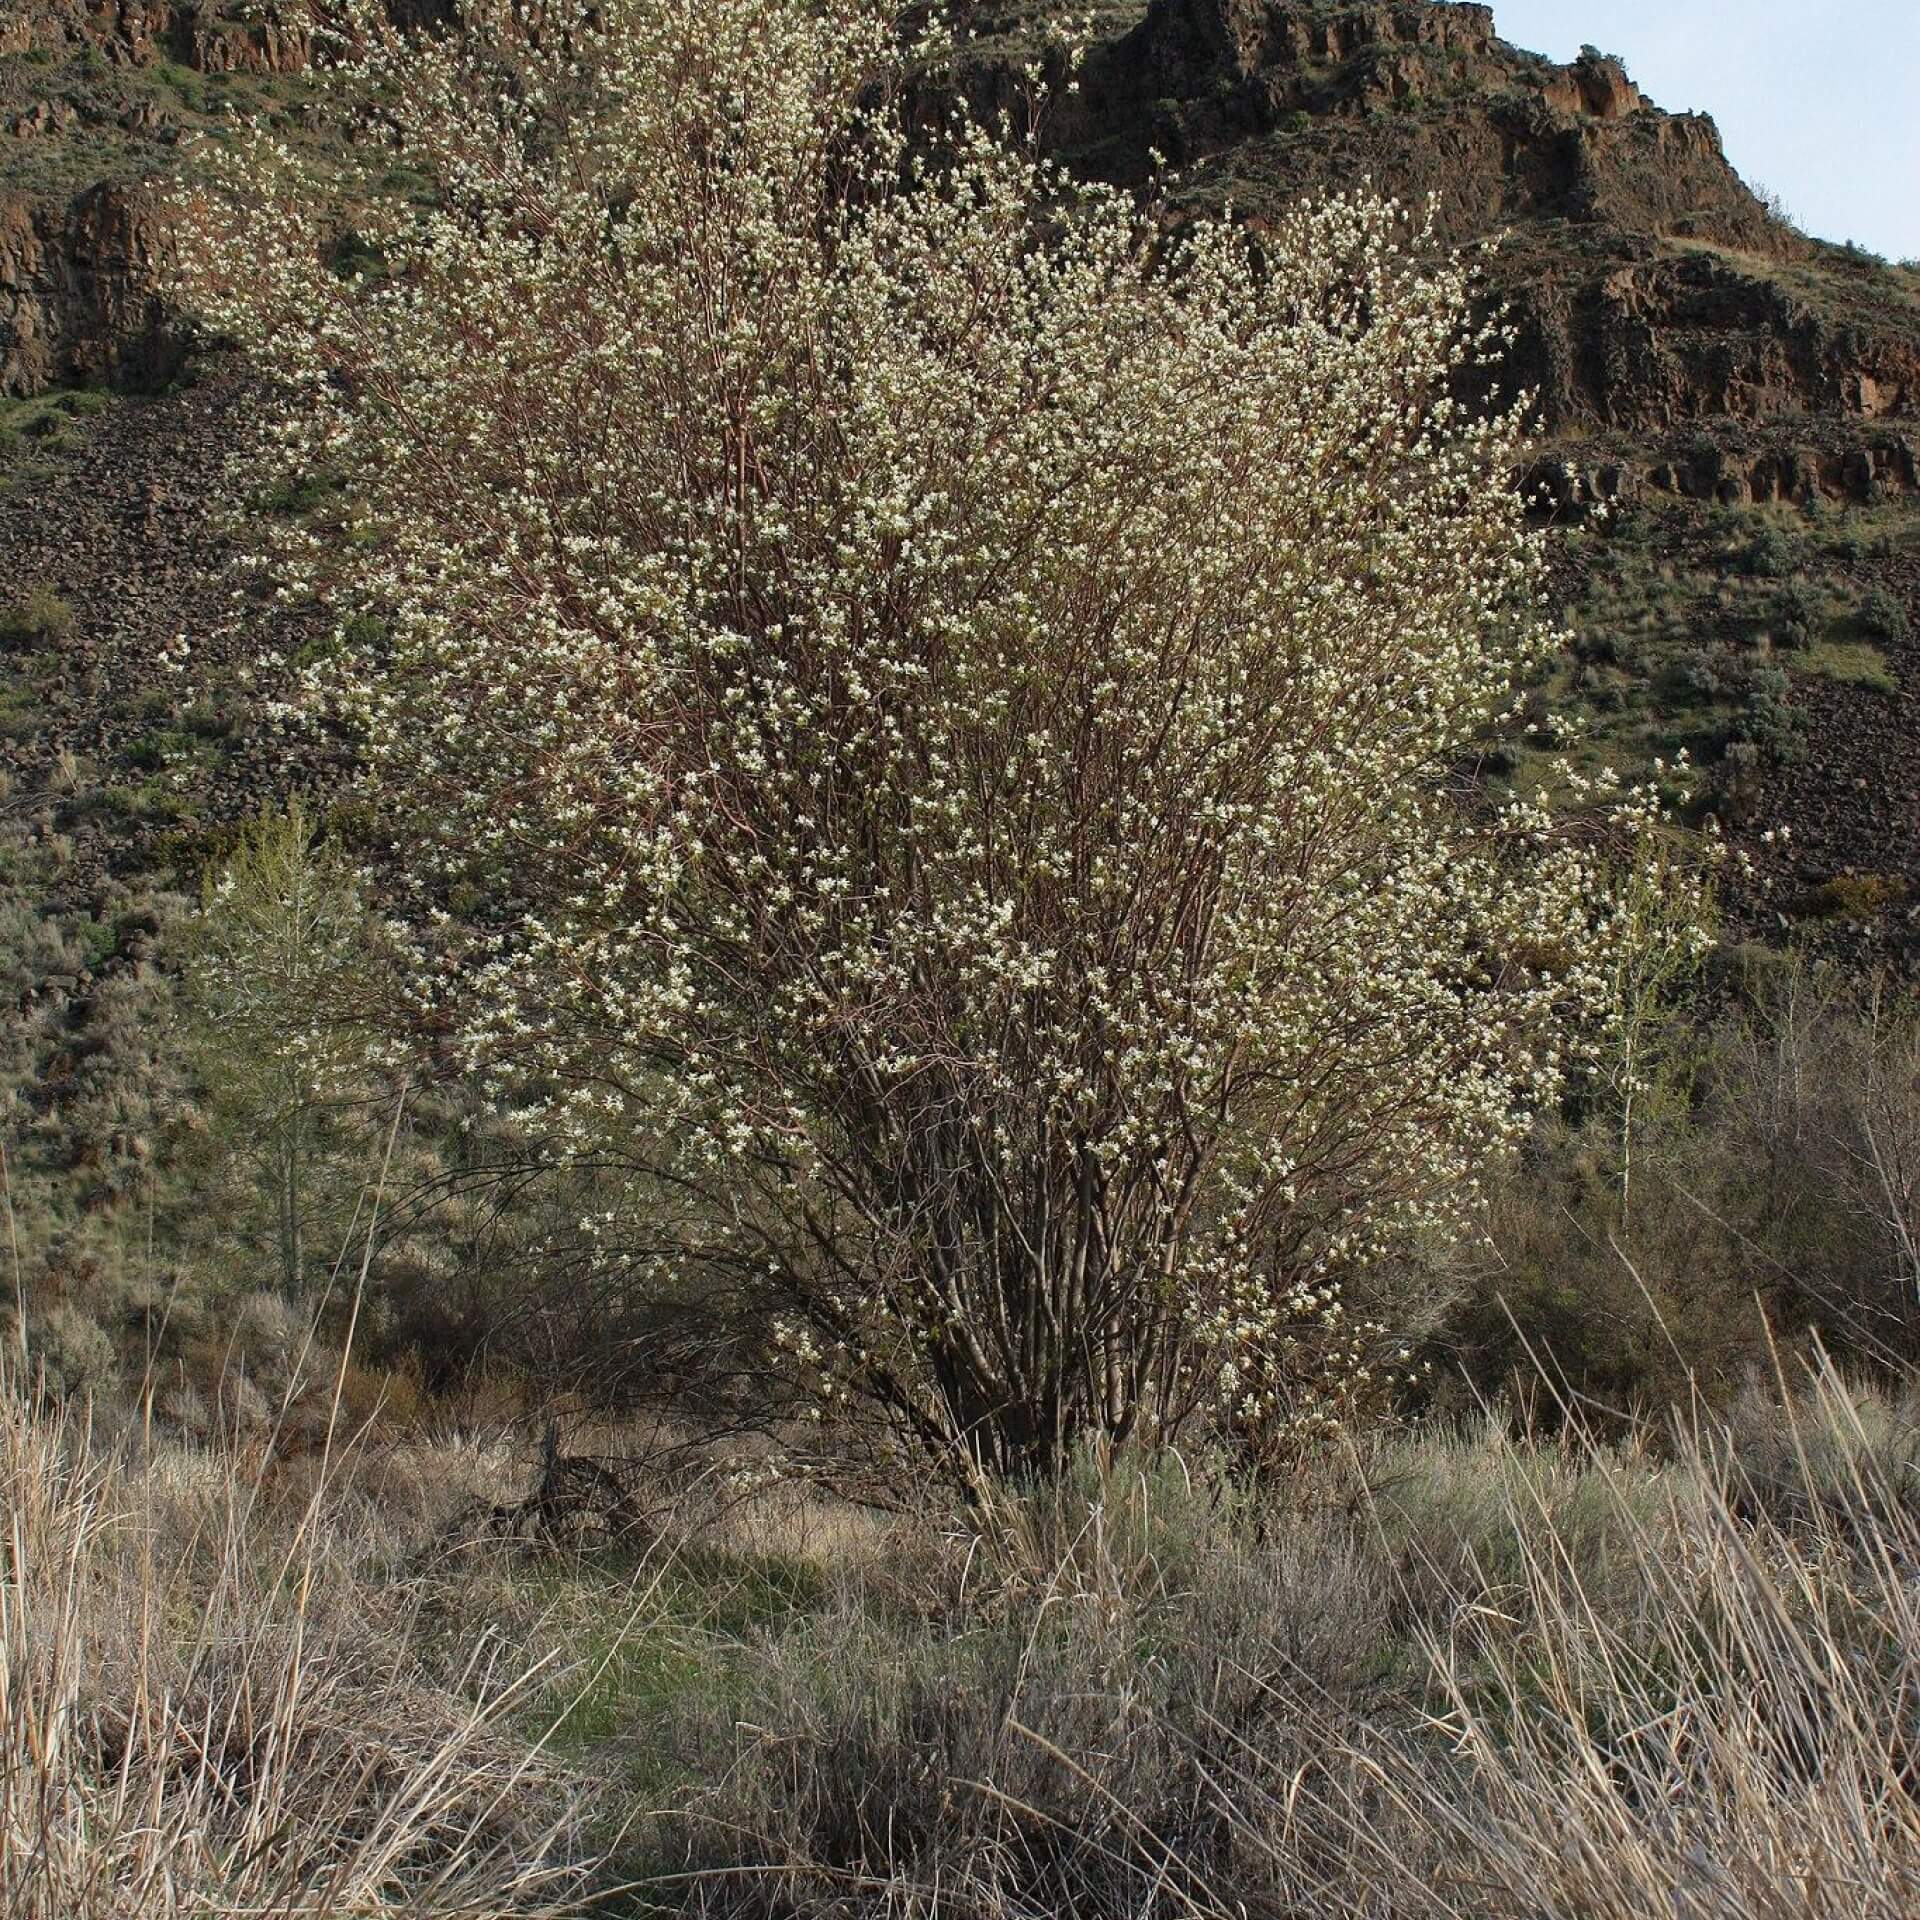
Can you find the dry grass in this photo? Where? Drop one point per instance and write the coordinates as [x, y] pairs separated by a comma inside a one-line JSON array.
[[213, 1700], [1725, 1733], [1462, 1676], [1511, 1680]]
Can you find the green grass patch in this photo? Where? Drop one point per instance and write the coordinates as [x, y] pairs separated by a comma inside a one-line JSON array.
[[40, 616], [150, 801], [167, 747], [626, 1685], [48, 423], [1853, 896], [1852, 663], [648, 1651], [298, 496], [21, 710]]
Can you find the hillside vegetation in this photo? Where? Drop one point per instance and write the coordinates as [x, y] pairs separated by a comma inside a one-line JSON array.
[[892, 1028]]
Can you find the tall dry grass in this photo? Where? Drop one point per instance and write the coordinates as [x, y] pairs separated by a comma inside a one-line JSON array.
[[1464, 1676], [1716, 1718], [214, 1699], [1491, 1680]]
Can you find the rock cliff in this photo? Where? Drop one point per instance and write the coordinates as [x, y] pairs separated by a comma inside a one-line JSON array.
[[98, 102], [1657, 300], [80, 299], [1654, 295]]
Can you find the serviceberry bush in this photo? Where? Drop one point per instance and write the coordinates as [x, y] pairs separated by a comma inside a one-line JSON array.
[[922, 699]]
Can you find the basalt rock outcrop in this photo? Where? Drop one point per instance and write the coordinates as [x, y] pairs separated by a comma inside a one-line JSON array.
[[97, 106], [1653, 295], [210, 38], [81, 300], [1655, 298], [1276, 99]]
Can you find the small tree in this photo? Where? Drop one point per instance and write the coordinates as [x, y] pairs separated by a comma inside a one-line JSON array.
[[277, 984], [922, 703], [1662, 941]]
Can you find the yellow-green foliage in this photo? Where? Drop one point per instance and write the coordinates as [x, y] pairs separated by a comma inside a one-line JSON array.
[[1853, 896], [1852, 663], [39, 616], [280, 988]]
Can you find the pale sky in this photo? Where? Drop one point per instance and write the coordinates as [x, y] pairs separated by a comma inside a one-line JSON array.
[[1818, 100]]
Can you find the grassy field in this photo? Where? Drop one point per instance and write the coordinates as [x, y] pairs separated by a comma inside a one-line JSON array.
[[1451, 1672]]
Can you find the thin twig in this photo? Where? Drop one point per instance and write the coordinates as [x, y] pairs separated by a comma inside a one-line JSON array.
[[19, 1280]]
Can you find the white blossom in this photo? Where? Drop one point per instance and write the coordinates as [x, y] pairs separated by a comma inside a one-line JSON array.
[[926, 704]]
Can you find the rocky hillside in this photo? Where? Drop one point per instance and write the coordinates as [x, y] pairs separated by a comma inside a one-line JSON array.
[[1653, 292], [97, 103], [1746, 398]]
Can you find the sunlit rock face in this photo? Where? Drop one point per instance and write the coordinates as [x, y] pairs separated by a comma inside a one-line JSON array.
[[1651, 290]]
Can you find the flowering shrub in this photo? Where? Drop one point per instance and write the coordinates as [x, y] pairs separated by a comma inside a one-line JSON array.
[[921, 700]]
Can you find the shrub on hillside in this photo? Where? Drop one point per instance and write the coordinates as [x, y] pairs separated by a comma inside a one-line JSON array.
[[934, 751], [68, 1353], [1882, 616], [1770, 553], [1773, 1206], [1768, 718], [1852, 896], [279, 996], [1797, 616], [41, 616]]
